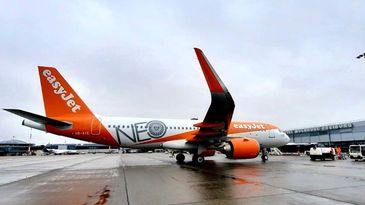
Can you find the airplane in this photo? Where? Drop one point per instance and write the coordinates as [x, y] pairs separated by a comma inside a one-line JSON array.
[[68, 115], [60, 151]]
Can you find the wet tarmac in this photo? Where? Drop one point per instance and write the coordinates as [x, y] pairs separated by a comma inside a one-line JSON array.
[[156, 179]]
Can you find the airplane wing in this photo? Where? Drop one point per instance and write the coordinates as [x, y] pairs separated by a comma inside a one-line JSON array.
[[39, 119], [219, 115]]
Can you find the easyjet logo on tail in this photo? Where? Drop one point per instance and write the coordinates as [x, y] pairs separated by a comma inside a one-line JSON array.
[[59, 90]]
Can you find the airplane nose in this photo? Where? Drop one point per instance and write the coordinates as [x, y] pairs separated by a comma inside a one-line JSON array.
[[287, 139]]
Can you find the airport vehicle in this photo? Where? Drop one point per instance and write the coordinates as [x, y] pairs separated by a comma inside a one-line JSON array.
[[68, 115], [322, 153], [357, 152]]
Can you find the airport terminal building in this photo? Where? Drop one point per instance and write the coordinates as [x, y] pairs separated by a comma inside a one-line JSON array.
[[339, 134], [14, 147]]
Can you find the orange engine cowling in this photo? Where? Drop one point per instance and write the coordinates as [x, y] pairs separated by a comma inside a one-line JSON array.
[[242, 148]]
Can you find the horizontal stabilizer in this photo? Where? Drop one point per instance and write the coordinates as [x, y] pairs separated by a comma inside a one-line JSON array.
[[39, 119]]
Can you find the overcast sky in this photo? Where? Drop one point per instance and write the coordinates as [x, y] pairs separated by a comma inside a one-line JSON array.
[[290, 63]]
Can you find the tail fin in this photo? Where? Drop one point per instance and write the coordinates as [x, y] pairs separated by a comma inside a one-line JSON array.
[[58, 96]]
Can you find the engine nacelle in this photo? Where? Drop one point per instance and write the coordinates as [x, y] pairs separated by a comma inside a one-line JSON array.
[[242, 148]]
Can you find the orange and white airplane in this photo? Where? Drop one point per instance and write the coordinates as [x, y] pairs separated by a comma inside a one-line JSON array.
[[68, 115]]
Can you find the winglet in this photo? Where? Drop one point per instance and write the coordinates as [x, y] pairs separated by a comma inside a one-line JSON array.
[[214, 82], [219, 115]]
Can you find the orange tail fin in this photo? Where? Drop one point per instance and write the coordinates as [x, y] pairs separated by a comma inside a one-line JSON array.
[[58, 96]]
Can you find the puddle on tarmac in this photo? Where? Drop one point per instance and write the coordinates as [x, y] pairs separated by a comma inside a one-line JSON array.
[[101, 197]]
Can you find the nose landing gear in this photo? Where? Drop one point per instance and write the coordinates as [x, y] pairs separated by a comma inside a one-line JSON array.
[[264, 155]]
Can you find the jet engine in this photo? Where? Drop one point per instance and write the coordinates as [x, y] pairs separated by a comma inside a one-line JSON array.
[[241, 148]]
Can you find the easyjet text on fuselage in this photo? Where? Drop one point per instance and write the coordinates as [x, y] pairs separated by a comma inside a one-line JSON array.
[[249, 126]]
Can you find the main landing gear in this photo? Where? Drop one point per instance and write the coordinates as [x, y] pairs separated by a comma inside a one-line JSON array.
[[198, 159], [264, 155], [180, 158]]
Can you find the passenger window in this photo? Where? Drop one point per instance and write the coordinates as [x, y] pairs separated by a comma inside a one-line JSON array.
[[127, 126], [123, 126], [113, 126], [109, 126]]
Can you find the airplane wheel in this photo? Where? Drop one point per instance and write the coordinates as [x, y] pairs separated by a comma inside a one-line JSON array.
[[198, 159], [264, 158], [180, 158]]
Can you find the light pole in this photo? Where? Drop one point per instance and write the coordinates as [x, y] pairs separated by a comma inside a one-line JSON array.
[[30, 137]]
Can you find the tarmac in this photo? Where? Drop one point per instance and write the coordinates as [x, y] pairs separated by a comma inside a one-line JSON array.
[[155, 178]]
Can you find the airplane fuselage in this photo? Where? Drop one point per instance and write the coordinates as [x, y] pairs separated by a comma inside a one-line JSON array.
[[153, 133]]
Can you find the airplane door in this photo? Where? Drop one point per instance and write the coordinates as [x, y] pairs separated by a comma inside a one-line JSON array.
[[271, 134], [95, 126]]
